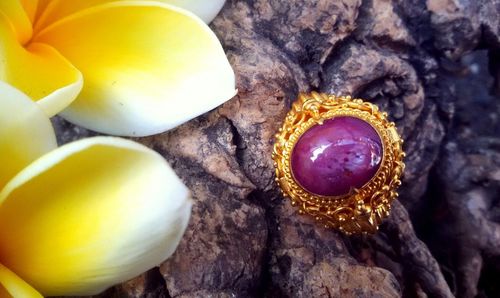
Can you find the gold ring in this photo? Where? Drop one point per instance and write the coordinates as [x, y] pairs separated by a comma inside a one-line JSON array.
[[339, 160]]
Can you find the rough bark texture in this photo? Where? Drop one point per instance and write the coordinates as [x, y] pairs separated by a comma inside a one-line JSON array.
[[433, 65]]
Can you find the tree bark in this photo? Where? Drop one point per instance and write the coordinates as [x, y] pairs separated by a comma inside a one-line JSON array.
[[433, 65]]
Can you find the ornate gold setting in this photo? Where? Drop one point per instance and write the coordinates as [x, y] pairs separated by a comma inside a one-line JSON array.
[[363, 209]]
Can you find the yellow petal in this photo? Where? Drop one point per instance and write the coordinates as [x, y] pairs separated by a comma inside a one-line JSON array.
[[13, 286], [39, 71], [206, 10], [25, 132], [91, 214], [59, 9], [18, 20], [30, 7], [54, 10], [148, 67], [40, 8]]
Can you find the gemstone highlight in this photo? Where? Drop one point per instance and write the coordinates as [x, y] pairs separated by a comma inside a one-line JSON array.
[[330, 159]]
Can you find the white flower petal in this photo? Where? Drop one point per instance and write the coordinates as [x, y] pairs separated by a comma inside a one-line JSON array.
[[167, 68], [207, 10], [91, 214], [12, 286], [25, 132]]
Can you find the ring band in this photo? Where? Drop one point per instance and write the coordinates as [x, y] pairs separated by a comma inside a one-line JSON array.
[[339, 160]]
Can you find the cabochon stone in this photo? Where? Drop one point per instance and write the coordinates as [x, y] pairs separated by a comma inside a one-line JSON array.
[[331, 158]]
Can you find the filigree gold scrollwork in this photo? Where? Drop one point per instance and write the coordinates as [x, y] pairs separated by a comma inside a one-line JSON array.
[[362, 210]]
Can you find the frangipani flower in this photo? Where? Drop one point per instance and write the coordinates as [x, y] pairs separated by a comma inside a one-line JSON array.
[[206, 10], [77, 219], [136, 68]]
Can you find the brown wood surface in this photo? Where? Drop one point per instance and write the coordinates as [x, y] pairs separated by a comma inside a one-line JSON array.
[[434, 65]]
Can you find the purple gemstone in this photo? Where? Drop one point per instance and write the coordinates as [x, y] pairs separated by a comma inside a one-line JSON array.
[[342, 153]]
